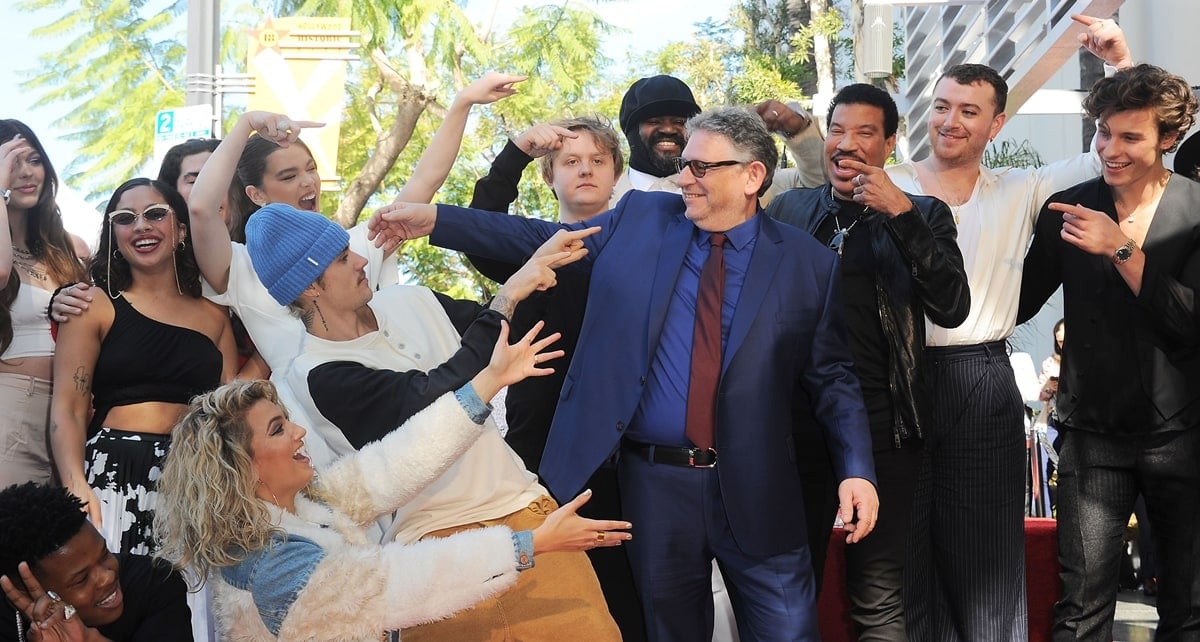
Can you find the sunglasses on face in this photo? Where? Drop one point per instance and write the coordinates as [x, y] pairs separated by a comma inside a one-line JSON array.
[[153, 213], [700, 168]]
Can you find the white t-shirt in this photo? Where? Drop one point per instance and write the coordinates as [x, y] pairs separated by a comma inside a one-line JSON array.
[[994, 228]]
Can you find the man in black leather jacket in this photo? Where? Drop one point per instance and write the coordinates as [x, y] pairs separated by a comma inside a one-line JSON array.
[[900, 264]]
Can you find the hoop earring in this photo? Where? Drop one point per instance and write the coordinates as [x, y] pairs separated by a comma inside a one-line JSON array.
[[274, 499], [175, 269], [116, 254]]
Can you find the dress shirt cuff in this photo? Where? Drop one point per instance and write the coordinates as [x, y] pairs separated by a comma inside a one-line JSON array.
[[476, 409], [523, 547]]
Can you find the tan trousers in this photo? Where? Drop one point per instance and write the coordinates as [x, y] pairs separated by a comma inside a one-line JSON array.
[[24, 440], [558, 599]]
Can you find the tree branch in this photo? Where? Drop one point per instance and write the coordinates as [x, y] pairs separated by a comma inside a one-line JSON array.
[[411, 101]]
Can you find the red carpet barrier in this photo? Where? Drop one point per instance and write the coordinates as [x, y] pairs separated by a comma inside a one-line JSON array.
[[1041, 582]]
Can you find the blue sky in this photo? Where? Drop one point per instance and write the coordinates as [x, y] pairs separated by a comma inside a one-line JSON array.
[[645, 26]]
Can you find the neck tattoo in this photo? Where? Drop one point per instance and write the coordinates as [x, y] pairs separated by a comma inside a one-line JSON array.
[[25, 260]]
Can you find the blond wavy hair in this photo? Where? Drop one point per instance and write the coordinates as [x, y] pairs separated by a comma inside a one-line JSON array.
[[208, 516]]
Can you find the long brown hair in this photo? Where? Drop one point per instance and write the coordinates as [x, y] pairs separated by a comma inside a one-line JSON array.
[[45, 236]]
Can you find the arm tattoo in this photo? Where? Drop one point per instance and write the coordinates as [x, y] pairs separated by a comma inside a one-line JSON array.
[[503, 305], [83, 381]]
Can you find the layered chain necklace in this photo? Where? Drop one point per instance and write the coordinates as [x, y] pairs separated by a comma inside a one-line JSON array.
[[25, 260]]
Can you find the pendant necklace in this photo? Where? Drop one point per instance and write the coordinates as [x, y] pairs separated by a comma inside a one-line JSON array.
[[840, 234], [954, 207]]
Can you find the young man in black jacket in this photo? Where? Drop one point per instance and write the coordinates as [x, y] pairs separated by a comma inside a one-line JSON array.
[[1124, 248], [900, 264]]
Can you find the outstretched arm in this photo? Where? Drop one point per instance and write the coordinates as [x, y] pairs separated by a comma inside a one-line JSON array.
[[433, 168], [427, 442]]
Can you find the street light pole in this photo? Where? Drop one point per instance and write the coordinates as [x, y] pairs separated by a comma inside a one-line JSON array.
[[203, 50]]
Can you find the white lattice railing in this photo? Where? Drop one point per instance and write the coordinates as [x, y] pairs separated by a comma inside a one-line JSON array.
[[1027, 41]]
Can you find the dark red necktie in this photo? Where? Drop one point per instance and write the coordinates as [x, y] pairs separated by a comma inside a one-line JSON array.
[[706, 348]]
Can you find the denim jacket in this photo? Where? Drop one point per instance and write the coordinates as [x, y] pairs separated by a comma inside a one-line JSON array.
[[275, 575]]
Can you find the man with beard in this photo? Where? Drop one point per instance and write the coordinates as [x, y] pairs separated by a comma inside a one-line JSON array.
[[966, 577], [654, 113], [899, 264], [703, 320]]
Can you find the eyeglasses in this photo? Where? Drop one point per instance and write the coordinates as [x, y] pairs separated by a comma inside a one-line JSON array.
[[700, 168], [153, 213]]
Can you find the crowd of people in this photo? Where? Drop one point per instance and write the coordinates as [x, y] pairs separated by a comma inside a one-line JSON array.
[[232, 421]]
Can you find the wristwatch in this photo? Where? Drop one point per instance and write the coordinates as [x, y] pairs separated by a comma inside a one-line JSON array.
[[1125, 252]]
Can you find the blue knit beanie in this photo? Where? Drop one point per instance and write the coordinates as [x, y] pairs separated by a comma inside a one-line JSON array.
[[290, 248]]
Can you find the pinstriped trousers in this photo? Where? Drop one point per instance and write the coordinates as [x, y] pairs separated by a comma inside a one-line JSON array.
[[966, 569]]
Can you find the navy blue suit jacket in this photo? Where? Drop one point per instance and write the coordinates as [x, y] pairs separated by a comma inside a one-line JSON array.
[[786, 338]]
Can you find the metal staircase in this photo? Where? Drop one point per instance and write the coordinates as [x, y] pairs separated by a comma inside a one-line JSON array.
[[1027, 41]]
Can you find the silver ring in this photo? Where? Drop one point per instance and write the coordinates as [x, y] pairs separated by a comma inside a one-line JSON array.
[[68, 611], [858, 180], [53, 596]]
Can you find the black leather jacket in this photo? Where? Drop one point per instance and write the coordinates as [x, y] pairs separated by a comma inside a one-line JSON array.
[[923, 276]]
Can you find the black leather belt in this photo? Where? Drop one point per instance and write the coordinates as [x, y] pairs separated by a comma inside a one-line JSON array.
[[674, 455]]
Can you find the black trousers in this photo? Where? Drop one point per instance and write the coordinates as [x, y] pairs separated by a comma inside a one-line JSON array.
[[875, 565], [1099, 478], [965, 578]]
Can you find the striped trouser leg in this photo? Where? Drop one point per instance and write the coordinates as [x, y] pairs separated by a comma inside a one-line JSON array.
[[970, 582]]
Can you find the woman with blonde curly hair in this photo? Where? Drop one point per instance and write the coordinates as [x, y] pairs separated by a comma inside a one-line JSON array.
[[288, 550]]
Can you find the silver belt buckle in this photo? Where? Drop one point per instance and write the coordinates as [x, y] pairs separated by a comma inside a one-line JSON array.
[[692, 452]]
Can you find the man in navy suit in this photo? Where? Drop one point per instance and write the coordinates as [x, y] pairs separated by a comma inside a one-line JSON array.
[[628, 386]]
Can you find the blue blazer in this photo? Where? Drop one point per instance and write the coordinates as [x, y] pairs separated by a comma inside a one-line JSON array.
[[786, 339]]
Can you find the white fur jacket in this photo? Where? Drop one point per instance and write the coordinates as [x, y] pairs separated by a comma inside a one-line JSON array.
[[327, 581]]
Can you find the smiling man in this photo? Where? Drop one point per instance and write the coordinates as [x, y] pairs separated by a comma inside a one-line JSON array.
[[119, 597], [703, 318], [654, 114], [370, 360], [1125, 251], [899, 265], [967, 570]]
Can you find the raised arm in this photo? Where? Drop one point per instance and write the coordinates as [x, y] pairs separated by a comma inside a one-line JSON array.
[[210, 237], [12, 152], [433, 168], [497, 190]]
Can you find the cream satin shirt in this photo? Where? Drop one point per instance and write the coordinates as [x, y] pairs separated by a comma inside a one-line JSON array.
[[994, 229]]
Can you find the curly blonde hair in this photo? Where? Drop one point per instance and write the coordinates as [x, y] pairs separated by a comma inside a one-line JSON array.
[[208, 516]]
